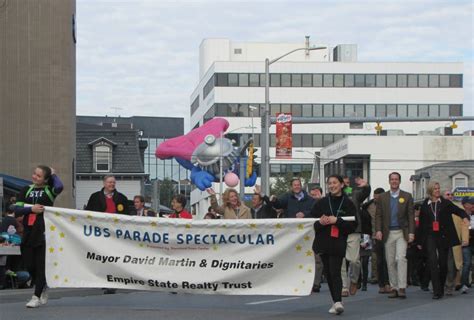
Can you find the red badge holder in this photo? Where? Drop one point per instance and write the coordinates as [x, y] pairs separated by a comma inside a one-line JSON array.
[[435, 226], [31, 219], [334, 231]]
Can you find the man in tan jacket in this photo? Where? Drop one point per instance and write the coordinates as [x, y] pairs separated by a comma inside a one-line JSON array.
[[395, 226]]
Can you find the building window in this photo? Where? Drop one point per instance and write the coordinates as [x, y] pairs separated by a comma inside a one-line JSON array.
[[423, 187], [434, 80], [444, 80], [370, 80], [412, 80], [380, 80], [455, 80], [195, 105], [296, 80], [402, 80], [102, 157], [455, 110], [423, 80], [348, 80], [391, 80], [286, 80], [307, 80], [328, 80], [402, 110], [233, 79], [317, 80], [254, 80], [360, 80], [243, 79], [459, 180], [338, 80]]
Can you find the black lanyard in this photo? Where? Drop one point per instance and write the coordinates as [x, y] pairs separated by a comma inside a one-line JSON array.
[[338, 210]]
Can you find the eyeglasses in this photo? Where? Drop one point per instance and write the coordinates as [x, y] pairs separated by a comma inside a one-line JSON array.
[[448, 194]]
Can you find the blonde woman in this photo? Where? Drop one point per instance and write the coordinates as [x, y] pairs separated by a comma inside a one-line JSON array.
[[232, 207], [437, 234]]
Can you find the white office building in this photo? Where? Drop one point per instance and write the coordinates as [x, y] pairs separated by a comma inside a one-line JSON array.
[[320, 83]]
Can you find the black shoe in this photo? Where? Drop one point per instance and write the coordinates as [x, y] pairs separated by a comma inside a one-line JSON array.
[[458, 287], [425, 289], [437, 296], [316, 288], [110, 291], [364, 288]]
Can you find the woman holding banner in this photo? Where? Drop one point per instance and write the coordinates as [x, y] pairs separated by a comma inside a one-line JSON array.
[[331, 235], [232, 207], [44, 190]]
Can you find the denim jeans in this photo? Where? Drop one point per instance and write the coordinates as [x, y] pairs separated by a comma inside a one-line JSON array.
[[466, 265]]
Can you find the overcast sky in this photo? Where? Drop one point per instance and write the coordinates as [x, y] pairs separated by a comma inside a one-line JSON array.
[[142, 57]]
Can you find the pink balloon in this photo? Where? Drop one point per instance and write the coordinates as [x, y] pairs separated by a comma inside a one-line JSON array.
[[231, 179]]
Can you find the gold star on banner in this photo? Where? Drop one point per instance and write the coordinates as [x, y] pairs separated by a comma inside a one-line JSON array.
[[66, 280], [141, 245], [224, 226], [55, 264], [57, 214], [310, 270], [300, 226], [61, 235], [52, 228], [252, 225], [309, 253], [278, 226], [298, 248], [303, 282], [153, 224], [56, 277], [116, 220], [188, 226], [51, 250], [72, 219], [306, 238], [89, 216], [214, 248], [61, 249], [300, 266], [296, 290]]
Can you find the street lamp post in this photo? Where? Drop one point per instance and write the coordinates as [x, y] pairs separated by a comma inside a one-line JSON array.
[[265, 166], [316, 165]]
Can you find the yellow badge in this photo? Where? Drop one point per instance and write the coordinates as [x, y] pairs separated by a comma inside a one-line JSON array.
[[401, 200], [120, 207]]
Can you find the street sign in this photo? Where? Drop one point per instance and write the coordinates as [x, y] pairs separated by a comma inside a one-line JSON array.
[[462, 192]]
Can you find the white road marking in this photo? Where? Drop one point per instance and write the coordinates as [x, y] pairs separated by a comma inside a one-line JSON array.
[[270, 301]]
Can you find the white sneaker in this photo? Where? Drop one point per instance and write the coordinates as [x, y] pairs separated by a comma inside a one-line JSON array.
[[34, 302], [333, 309], [44, 296], [339, 307], [464, 289]]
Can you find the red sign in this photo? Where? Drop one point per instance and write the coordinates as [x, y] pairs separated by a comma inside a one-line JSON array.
[[284, 140]]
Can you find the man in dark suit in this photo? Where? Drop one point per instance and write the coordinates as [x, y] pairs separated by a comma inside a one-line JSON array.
[[261, 207], [395, 226], [140, 209]]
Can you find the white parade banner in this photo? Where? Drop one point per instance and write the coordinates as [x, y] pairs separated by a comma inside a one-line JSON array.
[[233, 257]]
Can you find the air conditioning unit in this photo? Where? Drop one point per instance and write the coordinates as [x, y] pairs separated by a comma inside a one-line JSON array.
[[392, 132], [444, 131]]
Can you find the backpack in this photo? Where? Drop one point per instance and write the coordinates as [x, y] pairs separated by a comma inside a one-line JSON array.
[[47, 190]]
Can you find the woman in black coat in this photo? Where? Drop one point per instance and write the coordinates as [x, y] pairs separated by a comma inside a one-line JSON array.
[[437, 234], [331, 235]]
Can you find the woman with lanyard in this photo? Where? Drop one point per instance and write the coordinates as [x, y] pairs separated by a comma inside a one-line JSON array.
[[331, 235], [437, 234], [231, 207], [44, 190]]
